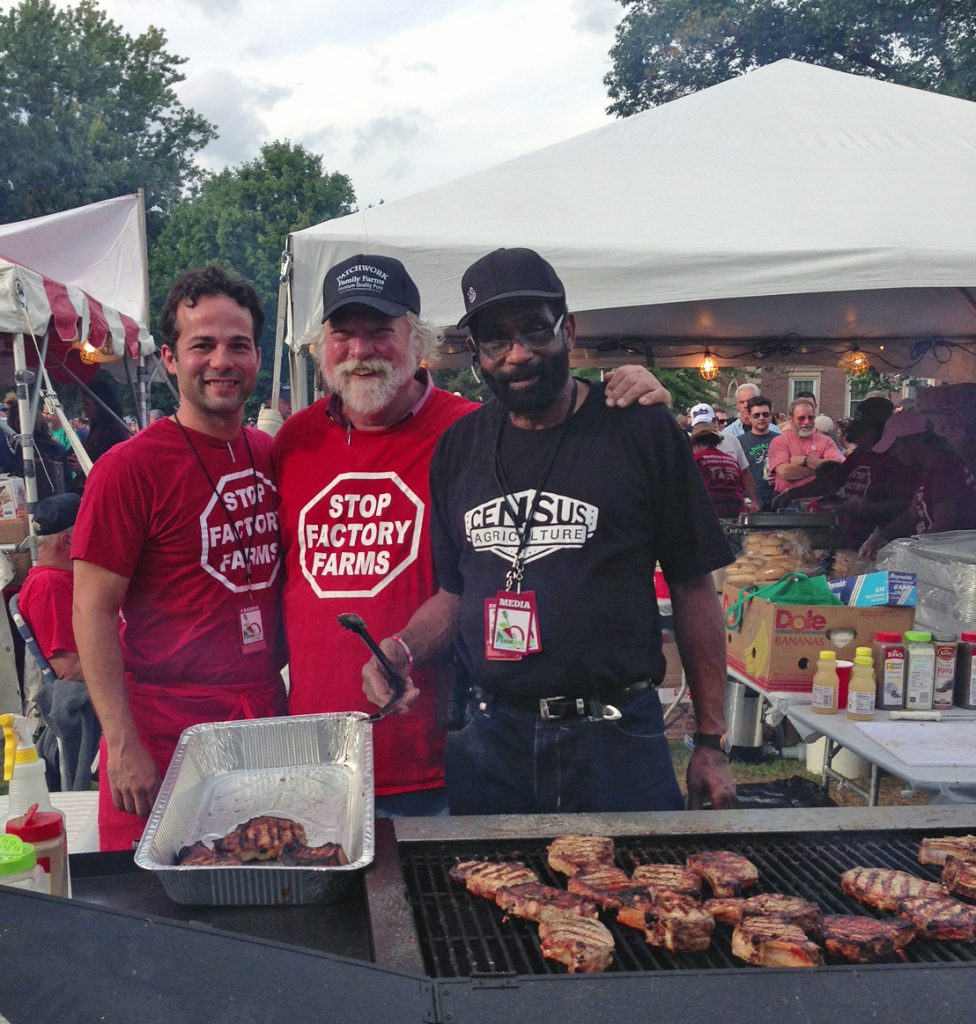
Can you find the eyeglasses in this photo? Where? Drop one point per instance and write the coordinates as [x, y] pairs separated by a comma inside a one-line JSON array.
[[497, 343], [759, 415], [722, 421], [804, 419]]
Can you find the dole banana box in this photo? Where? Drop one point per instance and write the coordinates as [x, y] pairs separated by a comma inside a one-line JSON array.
[[777, 645]]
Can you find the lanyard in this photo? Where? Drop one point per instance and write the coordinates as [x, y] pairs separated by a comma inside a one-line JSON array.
[[515, 575], [245, 551]]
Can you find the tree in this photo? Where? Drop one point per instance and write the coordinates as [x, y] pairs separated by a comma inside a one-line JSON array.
[[665, 49], [240, 220], [89, 113]]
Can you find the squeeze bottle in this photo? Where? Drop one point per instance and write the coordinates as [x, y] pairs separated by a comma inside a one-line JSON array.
[[861, 691], [826, 685]]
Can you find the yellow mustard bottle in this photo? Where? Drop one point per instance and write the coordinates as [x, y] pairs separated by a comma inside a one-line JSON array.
[[826, 684], [862, 691]]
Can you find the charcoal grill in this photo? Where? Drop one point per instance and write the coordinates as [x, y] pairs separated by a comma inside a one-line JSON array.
[[410, 945]]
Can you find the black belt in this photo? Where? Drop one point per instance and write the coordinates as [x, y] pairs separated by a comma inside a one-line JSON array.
[[605, 706]]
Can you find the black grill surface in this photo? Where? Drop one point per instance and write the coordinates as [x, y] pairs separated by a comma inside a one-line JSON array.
[[462, 935]]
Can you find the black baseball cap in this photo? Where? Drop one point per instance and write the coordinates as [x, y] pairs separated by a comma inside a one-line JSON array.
[[507, 274], [380, 282], [56, 513]]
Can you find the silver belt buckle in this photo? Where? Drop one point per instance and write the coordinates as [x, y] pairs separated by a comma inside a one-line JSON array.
[[547, 716]]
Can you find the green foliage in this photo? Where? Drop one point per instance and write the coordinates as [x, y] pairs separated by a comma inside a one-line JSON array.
[[89, 113], [665, 49], [862, 384], [461, 382], [687, 388], [240, 220]]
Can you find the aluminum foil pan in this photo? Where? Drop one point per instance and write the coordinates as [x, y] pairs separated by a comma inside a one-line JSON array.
[[315, 769]]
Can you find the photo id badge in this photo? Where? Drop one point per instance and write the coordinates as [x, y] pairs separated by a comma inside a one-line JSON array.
[[252, 630], [491, 618], [521, 610]]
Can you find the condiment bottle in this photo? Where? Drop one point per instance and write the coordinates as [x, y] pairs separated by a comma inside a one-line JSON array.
[[18, 865], [966, 670], [825, 684], [861, 689], [890, 658], [22, 768], [44, 830], [944, 645], [920, 677]]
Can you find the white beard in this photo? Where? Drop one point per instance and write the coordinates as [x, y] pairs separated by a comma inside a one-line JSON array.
[[367, 395]]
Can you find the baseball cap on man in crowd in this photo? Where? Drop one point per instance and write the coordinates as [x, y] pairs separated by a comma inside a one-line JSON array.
[[53, 515], [380, 282], [872, 412], [902, 424], [507, 274], [701, 413]]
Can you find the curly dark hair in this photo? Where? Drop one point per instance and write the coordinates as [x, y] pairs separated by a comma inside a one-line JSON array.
[[193, 285]]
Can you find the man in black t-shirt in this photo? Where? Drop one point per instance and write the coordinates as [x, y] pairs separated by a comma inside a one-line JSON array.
[[755, 443], [549, 514]]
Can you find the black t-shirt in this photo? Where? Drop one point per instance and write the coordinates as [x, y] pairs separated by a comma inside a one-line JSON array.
[[623, 493], [757, 449]]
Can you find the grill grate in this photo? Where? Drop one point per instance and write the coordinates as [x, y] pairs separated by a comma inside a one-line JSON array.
[[462, 935]]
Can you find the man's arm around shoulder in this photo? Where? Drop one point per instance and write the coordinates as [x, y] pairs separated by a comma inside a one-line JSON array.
[[98, 595], [701, 644]]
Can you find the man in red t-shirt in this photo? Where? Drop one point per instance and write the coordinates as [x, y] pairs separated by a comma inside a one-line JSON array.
[[178, 529], [45, 598], [794, 455], [352, 475]]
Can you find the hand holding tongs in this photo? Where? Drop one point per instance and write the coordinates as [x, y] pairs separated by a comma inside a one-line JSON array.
[[356, 625]]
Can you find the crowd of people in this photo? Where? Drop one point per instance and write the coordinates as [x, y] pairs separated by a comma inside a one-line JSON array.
[[885, 475], [504, 552]]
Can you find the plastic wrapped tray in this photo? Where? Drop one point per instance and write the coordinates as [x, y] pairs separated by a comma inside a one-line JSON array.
[[315, 769]]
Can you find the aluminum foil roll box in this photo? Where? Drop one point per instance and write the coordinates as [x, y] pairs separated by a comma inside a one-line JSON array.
[[314, 769]]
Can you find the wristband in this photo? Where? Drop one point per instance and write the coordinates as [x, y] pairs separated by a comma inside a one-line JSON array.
[[406, 649], [713, 740]]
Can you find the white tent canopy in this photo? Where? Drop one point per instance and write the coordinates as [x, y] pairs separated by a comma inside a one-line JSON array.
[[788, 206]]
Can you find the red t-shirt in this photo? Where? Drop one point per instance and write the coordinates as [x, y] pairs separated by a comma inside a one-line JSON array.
[[45, 602], [355, 530], [723, 481], [149, 513], [788, 444]]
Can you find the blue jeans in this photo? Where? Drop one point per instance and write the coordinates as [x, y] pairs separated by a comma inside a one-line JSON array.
[[422, 803], [510, 761]]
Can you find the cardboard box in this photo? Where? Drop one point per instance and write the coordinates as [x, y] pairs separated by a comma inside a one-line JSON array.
[[777, 645], [13, 501], [873, 589], [13, 531]]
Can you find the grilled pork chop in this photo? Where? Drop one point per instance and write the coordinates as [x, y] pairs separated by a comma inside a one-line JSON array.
[[726, 872], [885, 888], [485, 878], [579, 943], [940, 917], [662, 878], [570, 854], [670, 921], [261, 838], [604, 884], [535, 902], [935, 851], [770, 942], [959, 877], [865, 940], [328, 855], [200, 855], [793, 909]]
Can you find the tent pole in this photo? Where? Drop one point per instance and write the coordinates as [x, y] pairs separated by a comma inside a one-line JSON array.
[[142, 391], [23, 377], [270, 419]]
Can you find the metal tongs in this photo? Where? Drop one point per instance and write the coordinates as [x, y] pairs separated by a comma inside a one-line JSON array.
[[356, 625]]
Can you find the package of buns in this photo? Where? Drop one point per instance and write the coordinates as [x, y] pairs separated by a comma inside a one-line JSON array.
[[769, 555]]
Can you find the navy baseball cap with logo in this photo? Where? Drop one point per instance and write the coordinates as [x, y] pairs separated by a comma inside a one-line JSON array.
[[380, 282], [507, 274]]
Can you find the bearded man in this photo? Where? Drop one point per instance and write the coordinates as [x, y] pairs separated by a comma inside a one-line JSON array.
[[352, 474]]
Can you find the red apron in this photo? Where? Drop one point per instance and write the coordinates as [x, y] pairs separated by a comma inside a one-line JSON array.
[[161, 713]]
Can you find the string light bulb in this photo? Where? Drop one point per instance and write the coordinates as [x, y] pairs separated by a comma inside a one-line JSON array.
[[859, 362], [708, 367]]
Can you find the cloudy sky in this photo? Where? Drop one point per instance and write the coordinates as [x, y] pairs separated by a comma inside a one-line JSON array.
[[398, 94]]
